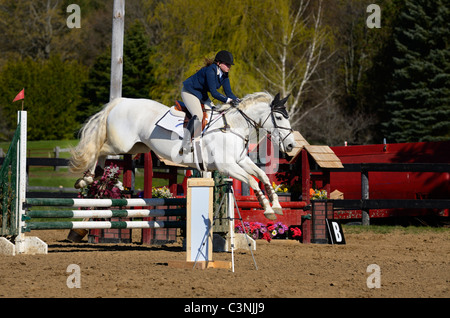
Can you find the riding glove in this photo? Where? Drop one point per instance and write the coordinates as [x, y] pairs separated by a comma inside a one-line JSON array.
[[235, 102]]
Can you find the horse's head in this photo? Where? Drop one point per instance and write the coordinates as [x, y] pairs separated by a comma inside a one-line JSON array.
[[279, 124], [262, 110]]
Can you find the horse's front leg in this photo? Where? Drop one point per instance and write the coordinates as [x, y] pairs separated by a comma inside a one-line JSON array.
[[235, 171], [250, 167]]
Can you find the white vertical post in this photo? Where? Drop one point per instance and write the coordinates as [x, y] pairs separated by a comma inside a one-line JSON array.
[[117, 49], [24, 244], [20, 241], [230, 216], [21, 173]]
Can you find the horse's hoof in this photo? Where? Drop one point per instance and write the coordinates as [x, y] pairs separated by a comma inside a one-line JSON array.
[[270, 215], [77, 184], [277, 209], [88, 180], [80, 183]]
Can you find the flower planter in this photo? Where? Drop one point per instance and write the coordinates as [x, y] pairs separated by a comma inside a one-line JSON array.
[[159, 236], [321, 210]]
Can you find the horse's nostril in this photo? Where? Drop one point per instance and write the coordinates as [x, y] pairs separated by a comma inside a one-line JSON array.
[[289, 147]]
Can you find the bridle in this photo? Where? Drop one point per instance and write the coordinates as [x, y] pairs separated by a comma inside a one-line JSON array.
[[277, 106], [276, 126]]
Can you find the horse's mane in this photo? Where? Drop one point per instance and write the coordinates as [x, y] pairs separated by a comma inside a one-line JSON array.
[[249, 100]]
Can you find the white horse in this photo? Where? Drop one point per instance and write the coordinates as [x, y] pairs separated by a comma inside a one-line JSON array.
[[129, 126]]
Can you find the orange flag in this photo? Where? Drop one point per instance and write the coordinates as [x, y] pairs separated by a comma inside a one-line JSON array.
[[20, 96]]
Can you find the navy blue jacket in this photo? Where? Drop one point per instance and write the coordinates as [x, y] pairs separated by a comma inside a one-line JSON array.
[[206, 80]]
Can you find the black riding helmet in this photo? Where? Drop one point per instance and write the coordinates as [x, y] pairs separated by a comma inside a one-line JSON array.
[[224, 57]]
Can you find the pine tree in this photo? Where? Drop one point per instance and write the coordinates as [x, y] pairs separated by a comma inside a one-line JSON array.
[[137, 73], [419, 101]]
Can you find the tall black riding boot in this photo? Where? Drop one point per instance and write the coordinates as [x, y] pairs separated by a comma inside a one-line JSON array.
[[193, 129]]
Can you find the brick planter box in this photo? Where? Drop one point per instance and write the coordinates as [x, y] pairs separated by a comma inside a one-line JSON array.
[[110, 235], [315, 229], [159, 236]]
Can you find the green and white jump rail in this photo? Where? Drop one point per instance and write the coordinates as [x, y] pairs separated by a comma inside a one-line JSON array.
[[103, 203], [102, 214], [89, 225]]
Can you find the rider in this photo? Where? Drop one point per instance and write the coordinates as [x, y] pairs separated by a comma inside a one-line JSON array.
[[195, 92]]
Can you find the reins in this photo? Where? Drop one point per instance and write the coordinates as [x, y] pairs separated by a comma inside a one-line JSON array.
[[277, 105], [257, 126], [251, 123]]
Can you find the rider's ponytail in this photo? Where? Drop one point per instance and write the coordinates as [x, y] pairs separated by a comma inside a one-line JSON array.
[[208, 61]]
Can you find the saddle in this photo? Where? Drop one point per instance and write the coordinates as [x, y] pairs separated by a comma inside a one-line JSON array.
[[180, 106]]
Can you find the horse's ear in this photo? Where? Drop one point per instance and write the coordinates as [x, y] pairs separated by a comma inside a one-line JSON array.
[[276, 100], [284, 100]]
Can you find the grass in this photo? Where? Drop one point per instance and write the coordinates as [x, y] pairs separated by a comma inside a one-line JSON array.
[[44, 148], [387, 229]]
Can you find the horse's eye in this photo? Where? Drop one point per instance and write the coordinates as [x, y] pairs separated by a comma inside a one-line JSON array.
[[278, 117]]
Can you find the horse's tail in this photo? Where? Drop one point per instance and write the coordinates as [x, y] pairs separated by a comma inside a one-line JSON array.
[[93, 136]]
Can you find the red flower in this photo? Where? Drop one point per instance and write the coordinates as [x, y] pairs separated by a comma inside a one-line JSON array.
[[267, 237], [296, 232]]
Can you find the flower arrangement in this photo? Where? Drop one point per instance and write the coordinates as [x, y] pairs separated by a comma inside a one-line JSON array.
[[108, 186], [296, 233], [161, 192], [318, 194], [258, 230], [276, 228], [254, 229], [280, 188]]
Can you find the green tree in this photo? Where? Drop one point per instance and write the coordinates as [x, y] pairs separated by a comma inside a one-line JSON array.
[[137, 72], [277, 45], [188, 31], [36, 29], [52, 92], [357, 46], [419, 102], [95, 91], [289, 48]]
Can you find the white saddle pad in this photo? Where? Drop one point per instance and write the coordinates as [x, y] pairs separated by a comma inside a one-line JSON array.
[[172, 122]]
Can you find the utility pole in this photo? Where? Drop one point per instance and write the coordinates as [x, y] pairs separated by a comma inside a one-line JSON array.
[[117, 49]]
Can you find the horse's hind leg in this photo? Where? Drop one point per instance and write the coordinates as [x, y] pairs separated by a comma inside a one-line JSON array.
[[235, 171], [100, 167], [250, 167], [95, 171], [87, 179]]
